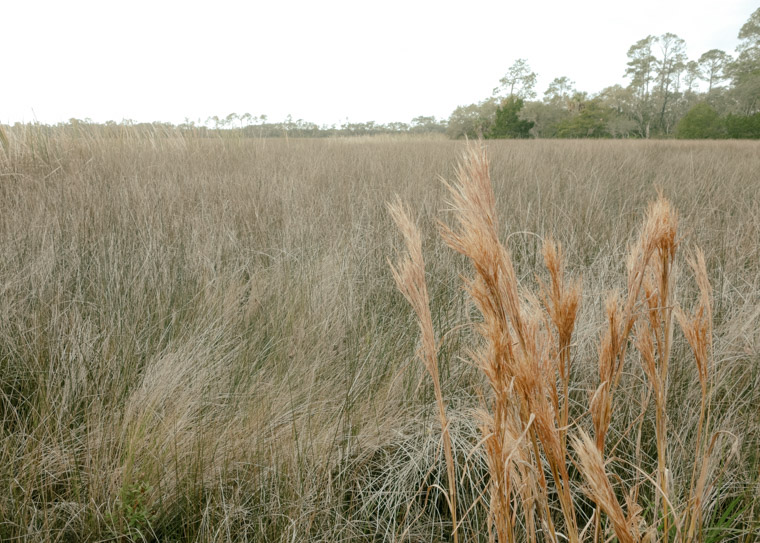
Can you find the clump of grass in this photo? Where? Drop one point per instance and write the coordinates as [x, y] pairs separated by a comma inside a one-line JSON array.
[[526, 354]]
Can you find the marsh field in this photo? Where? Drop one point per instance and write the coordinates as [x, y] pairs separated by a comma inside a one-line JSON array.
[[202, 340]]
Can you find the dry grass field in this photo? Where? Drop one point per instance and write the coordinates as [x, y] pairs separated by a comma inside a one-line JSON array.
[[202, 340]]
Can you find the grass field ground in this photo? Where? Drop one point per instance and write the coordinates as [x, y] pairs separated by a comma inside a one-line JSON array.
[[201, 340]]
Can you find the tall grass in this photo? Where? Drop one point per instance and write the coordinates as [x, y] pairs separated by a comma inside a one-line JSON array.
[[526, 358], [200, 339]]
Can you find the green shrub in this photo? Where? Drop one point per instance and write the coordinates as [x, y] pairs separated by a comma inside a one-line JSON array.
[[741, 127], [701, 122], [507, 124]]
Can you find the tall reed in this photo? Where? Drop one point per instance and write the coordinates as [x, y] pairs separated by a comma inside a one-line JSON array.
[[526, 354], [409, 275]]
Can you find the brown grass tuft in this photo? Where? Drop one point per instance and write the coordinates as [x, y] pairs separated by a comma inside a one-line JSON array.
[[525, 353]]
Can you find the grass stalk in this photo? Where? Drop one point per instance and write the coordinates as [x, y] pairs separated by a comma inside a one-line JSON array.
[[409, 274]]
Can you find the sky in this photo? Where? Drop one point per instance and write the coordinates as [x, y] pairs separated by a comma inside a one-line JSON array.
[[324, 61]]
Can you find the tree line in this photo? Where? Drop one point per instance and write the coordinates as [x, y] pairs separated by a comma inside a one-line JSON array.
[[668, 95], [243, 125], [260, 126], [716, 95]]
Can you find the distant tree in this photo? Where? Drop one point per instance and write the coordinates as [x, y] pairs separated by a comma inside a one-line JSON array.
[[621, 105], [712, 66], [701, 122], [519, 81], [641, 70], [424, 124], [620, 99], [590, 122], [746, 94], [745, 70], [189, 124], [397, 127], [691, 76], [670, 66], [559, 90], [749, 46], [229, 119], [545, 117], [641, 65], [655, 67], [577, 101], [507, 123], [473, 121], [559, 103]]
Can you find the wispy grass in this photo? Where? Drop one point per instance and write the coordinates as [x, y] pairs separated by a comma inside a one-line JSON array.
[[526, 358], [201, 339]]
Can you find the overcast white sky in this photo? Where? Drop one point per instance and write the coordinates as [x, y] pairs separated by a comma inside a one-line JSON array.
[[324, 61]]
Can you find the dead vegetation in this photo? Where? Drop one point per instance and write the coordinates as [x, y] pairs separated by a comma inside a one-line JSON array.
[[201, 340]]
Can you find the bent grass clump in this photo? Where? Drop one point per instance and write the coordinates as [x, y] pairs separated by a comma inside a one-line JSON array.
[[544, 466]]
